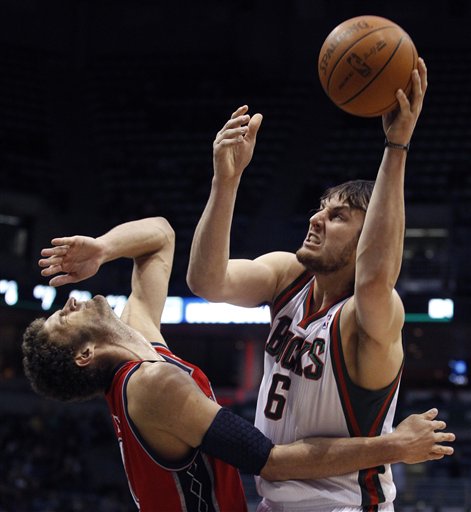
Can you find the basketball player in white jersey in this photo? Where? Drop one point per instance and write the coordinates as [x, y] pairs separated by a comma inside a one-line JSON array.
[[334, 355]]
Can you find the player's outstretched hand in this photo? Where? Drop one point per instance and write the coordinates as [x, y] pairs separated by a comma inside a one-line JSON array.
[[422, 437], [75, 258], [234, 144]]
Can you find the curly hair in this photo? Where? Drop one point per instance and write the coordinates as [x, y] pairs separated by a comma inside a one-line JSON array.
[[51, 370], [357, 193]]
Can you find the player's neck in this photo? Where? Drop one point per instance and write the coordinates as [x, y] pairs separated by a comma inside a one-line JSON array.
[[130, 344], [331, 288]]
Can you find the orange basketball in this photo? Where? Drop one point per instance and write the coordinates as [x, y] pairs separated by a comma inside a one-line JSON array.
[[363, 62]]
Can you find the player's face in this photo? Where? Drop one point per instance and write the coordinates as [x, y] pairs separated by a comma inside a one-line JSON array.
[[332, 238], [80, 315]]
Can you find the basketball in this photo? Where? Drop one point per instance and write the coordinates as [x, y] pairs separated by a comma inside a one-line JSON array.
[[363, 62]]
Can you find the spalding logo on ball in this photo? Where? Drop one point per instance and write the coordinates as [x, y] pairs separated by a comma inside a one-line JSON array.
[[363, 62]]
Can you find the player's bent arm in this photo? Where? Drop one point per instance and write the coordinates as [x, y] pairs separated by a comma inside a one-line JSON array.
[[178, 408], [415, 440], [239, 443], [210, 249], [163, 398], [247, 283], [75, 258], [152, 249], [136, 238]]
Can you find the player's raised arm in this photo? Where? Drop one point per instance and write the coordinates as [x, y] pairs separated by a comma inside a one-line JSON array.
[[149, 242], [379, 311], [211, 273]]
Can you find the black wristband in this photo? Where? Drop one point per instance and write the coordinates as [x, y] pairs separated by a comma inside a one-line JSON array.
[[393, 145]]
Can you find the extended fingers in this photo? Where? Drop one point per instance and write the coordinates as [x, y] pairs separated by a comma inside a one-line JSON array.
[[52, 252], [403, 100], [419, 85], [422, 68], [444, 437], [235, 133], [50, 262], [254, 124], [417, 91], [240, 111], [62, 279], [66, 240], [238, 126], [51, 269], [438, 425], [440, 449], [430, 414]]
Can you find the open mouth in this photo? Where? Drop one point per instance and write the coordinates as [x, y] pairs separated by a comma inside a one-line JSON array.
[[312, 239]]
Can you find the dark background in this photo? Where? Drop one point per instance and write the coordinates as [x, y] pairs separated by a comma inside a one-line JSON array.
[[108, 111]]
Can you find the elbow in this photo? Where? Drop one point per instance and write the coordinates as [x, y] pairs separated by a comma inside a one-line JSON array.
[[166, 234], [269, 474], [277, 467], [192, 282], [195, 283], [200, 287], [277, 474], [166, 229], [203, 283]]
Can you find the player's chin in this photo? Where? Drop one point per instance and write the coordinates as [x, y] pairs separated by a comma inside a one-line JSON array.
[[305, 254], [100, 301]]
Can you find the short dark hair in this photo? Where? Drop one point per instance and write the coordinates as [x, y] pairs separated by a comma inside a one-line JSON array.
[[50, 367], [357, 193]]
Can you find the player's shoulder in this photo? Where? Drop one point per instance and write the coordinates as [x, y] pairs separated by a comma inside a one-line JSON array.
[[277, 256], [284, 266], [155, 382], [287, 267], [281, 261], [159, 371]]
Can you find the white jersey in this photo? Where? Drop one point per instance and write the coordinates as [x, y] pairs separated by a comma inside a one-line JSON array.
[[306, 391]]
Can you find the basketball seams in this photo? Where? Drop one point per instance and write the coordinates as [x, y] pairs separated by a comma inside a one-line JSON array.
[[409, 83], [327, 88], [376, 76]]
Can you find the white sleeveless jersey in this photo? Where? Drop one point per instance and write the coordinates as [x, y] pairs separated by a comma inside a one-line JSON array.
[[306, 391]]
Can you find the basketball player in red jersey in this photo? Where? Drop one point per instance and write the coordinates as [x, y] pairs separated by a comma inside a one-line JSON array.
[[179, 447], [334, 355]]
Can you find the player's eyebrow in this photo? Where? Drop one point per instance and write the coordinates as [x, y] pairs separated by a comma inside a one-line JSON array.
[[337, 209], [331, 209]]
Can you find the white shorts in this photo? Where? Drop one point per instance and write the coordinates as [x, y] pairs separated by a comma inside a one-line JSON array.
[[268, 506]]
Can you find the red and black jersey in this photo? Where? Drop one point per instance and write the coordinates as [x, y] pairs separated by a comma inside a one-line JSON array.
[[198, 483]]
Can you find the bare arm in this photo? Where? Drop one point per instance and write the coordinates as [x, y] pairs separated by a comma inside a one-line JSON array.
[[149, 242], [211, 274], [378, 309], [416, 439], [177, 415]]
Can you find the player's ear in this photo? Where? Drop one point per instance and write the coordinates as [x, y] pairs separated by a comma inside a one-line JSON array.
[[85, 355]]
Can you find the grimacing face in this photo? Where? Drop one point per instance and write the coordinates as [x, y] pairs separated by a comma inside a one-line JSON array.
[[332, 238]]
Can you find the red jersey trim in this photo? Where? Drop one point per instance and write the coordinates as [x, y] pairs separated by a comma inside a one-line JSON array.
[[290, 291]]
